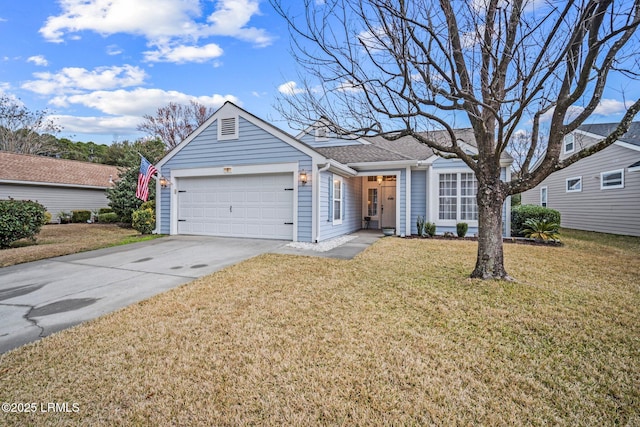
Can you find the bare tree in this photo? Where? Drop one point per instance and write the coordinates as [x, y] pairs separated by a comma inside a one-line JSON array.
[[25, 131], [174, 122], [396, 68]]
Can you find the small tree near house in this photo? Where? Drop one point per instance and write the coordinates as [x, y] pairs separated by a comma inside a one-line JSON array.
[[397, 68]]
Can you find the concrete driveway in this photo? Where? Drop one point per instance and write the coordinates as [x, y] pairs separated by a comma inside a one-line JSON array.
[[43, 297]]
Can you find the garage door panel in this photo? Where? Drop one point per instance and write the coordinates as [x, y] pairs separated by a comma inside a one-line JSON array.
[[243, 206]]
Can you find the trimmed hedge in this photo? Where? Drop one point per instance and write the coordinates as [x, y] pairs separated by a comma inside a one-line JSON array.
[[520, 214], [80, 216], [144, 220], [104, 210], [108, 218], [20, 219]]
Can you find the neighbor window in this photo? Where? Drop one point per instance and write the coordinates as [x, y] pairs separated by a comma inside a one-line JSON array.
[[543, 197], [574, 184], [337, 200], [457, 197], [569, 144], [372, 202], [612, 179]]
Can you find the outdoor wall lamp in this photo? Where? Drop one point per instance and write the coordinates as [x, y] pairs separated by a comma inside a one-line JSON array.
[[379, 179], [164, 182], [303, 177]]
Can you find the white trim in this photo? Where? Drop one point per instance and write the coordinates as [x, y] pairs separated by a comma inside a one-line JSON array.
[[52, 184], [334, 220], [546, 193], [627, 145], [611, 172], [634, 169], [235, 170], [566, 185], [398, 175], [407, 202], [600, 137], [370, 166]]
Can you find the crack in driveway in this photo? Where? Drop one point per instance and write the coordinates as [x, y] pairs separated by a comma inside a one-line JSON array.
[[27, 317]]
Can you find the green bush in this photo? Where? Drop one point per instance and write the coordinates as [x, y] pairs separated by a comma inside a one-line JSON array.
[[520, 215], [108, 218], [80, 216], [19, 219], [64, 217], [462, 228], [47, 218], [541, 229], [149, 204], [144, 220], [104, 210], [430, 229]]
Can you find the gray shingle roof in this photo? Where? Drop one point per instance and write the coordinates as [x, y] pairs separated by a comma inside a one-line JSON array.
[[603, 129], [360, 154]]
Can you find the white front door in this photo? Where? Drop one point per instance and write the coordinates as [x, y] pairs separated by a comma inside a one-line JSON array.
[[259, 206]]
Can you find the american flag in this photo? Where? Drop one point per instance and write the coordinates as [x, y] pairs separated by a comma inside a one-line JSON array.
[[146, 172]]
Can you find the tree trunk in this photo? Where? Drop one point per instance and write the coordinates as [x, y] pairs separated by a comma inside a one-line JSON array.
[[490, 260]]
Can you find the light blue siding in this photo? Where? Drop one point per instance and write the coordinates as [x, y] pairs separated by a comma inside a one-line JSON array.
[[352, 206], [418, 197], [255, 146]]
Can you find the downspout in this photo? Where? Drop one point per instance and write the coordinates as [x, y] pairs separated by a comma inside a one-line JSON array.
[[316, 182]]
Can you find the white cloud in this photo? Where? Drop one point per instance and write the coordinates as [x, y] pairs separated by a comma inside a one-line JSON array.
[[74, 79], [38, 60], [159, 21], [290, 88], [137, 102], [609, 107], [180, 54], [98, 125], [114, 49]]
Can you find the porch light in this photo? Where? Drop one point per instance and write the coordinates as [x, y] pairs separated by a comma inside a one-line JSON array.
[[164, 182], [303, 177], [379, 179]]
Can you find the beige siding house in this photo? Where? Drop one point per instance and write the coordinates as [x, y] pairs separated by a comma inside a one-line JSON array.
[[600, 192], [59, 185]]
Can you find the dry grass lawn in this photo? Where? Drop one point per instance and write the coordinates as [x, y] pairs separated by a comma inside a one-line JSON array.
[[397, 336], [63, 239]]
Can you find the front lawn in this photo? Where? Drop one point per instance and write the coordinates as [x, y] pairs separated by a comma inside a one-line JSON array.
[[64, 239], [397, 336]]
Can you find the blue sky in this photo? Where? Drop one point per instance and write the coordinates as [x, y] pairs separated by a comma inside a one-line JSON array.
[[98, 66]]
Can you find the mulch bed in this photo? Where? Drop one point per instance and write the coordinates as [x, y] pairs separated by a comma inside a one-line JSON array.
[[516, 240]]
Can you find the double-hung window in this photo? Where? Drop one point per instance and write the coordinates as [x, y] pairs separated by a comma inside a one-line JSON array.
[[457, 197]]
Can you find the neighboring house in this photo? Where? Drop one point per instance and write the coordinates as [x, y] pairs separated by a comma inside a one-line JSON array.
[[59, 185], [238, 175], [600, 192]]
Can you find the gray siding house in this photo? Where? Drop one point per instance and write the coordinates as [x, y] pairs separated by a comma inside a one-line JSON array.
[[239, 176], [59, 185], [598, 193]]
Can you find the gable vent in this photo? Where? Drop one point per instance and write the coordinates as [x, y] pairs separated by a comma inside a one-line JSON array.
[[321, 134], [228, 128]]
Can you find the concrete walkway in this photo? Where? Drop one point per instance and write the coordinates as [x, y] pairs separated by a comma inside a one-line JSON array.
[[43, 297]]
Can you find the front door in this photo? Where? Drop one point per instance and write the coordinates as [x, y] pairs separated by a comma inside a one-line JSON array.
[[388, 204]]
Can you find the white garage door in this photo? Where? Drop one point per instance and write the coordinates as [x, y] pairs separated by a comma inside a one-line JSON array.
[[259, 206]]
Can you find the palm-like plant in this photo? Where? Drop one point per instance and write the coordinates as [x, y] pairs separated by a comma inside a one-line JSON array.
[[541, 229]]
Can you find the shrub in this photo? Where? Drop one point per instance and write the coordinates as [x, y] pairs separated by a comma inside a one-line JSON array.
[[144, 220], [19, 219], [104, 210], [462, 228], [108, 218], [80, 216], [541, 229], [47, 218], [420, 225], [520, 215], [64, 217], [149, 204], [430, 229]]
